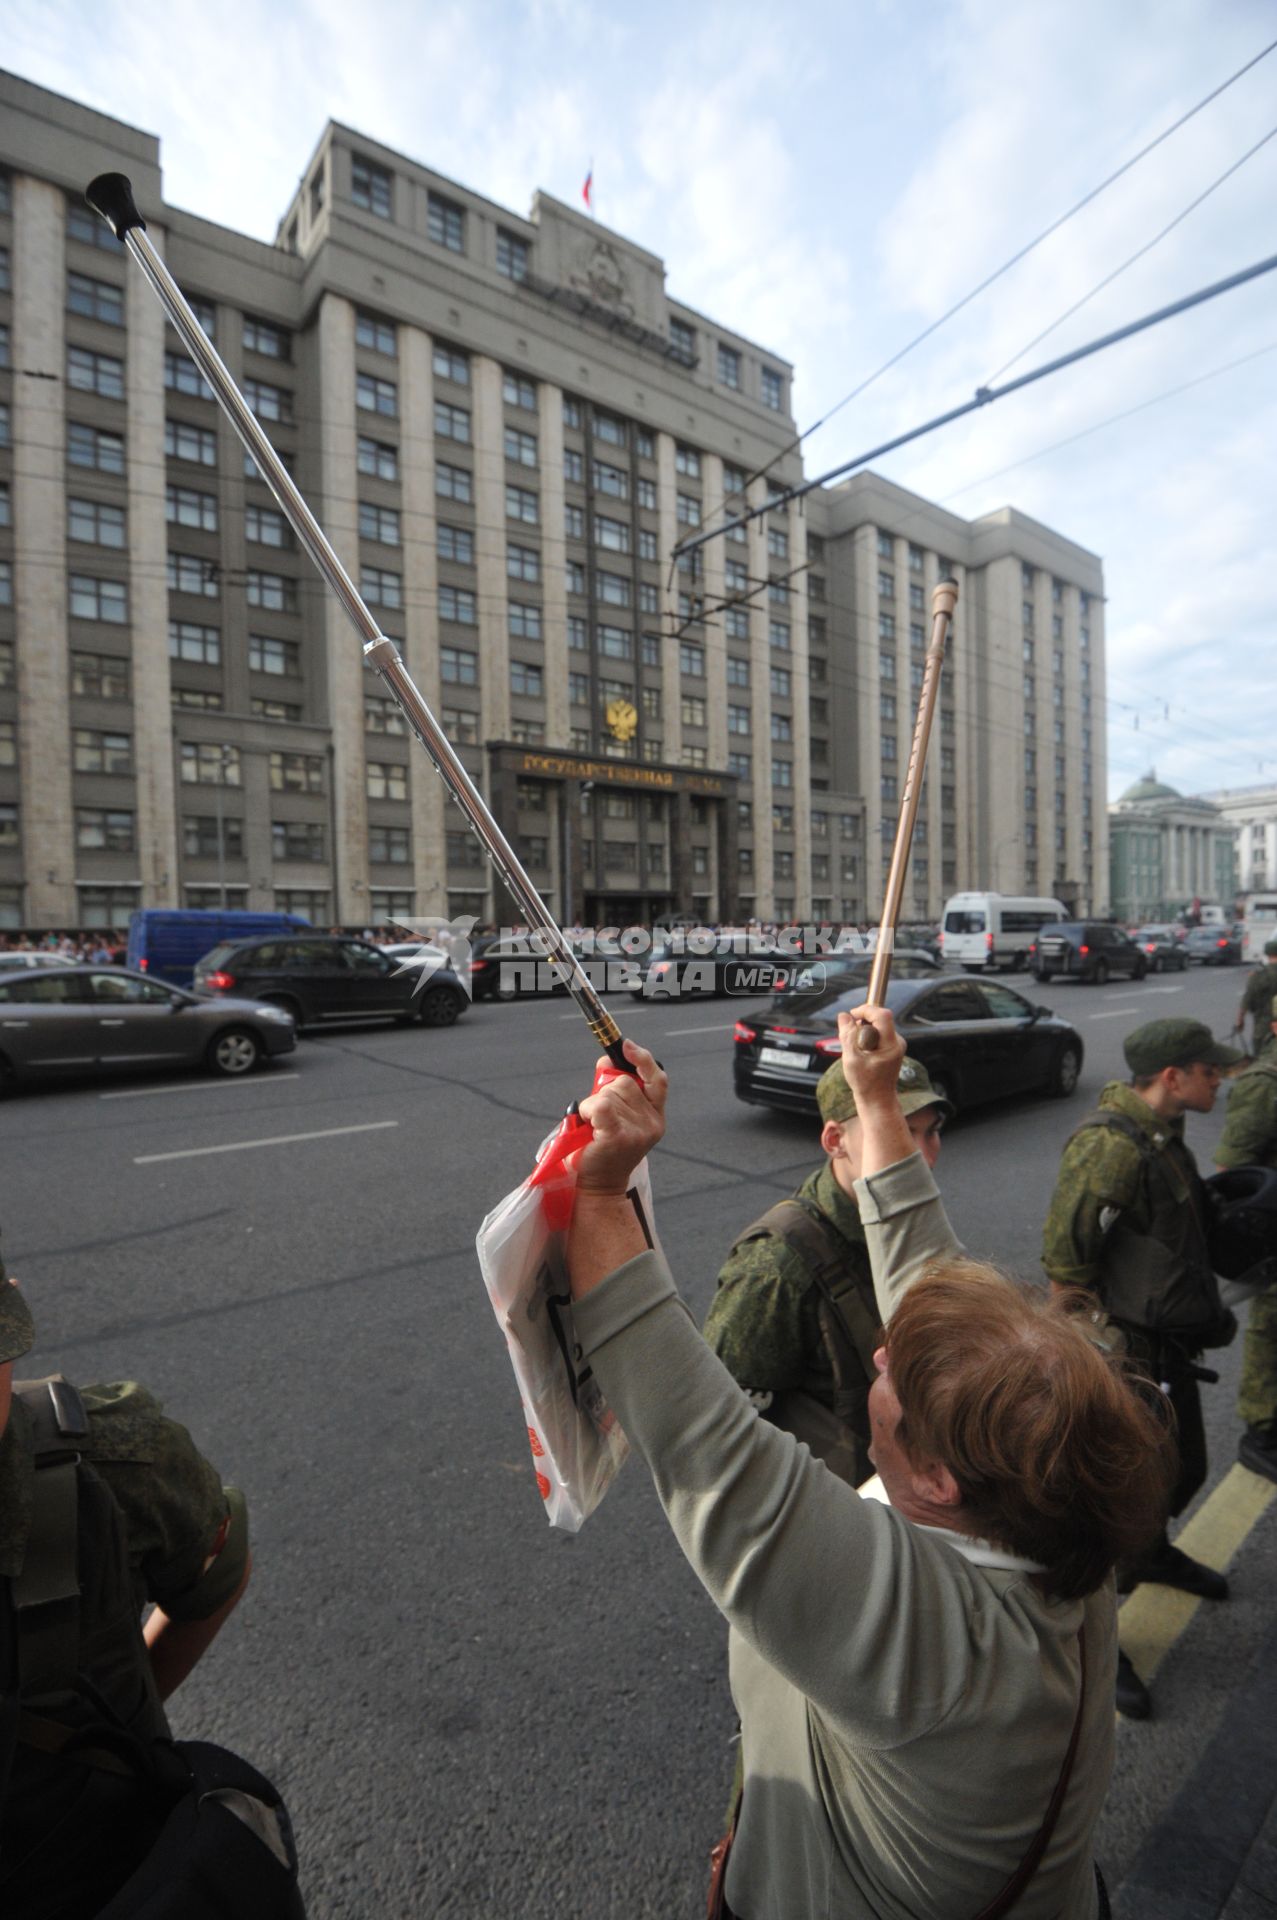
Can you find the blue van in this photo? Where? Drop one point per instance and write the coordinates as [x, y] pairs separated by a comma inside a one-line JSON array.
[[168, 941]]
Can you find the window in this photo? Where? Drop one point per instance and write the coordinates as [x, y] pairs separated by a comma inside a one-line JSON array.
[[81, 223], [644, 445], [741, 765], [693, 710], [377, 335], [375, 458], [446, 223], [269, 402], [782, 773], [453, 483], [273, 656], [182, 441], [370, 186], [650, 651], [578, 635], [778, 543], [579, 689], [188, 573], [296, 840], [512, 255], [384, 715], [614, 535], [90, 447], [184, 507], [728, 367], [95, 752], [98, 676], [524, 622], [737, 672], [778, 634], [609, 429], [91, 521], [611, 480], [736, 623], [458, 667], [464, 850], [263, 709], [461, 724], [782, 819], [647, 547], [188, 640], [267, 526], [452, 423], [691, 659], [574, 522], [208, 764], [454, 543], [181, 375], [95, 299], [388, 846], [451, 363], [101, 828], [646, 491], [520, 504], [375, 523], [613, 588], [296, 773], [99, 373], [738, 720], [386, 780], [772, 388], [518, 392], [379, 587], [687, 510], [377, 396], [91, 599], [573, 465], [887, 745], [574, 576], [682, 341], [520, 447], [687, 460], [526, 678], [571, 412], [615, 642]]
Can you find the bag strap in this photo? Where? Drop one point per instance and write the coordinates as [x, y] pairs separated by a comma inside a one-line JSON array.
[[46, 1592], [1004, 1901]]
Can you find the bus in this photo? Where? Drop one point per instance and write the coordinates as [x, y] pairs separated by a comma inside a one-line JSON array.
[[993, 932]]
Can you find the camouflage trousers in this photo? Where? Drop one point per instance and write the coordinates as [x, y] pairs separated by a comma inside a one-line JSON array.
[[1257, 1393]]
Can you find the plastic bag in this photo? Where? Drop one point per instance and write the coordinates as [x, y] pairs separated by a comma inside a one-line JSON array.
[[577, 1444]]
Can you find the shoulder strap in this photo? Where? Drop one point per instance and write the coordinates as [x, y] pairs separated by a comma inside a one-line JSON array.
[[46, 1593], [1004, 1901], [843, 1307], [1112, 1122]]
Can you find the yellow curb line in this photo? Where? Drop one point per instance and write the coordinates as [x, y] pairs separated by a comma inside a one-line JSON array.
[[1153, 1618]]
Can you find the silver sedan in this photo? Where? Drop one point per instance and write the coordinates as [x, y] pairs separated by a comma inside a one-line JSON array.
[[81, 1020]]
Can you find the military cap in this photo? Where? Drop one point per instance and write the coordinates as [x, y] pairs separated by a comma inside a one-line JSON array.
[[837, 1101], [1176, 1043], [17, 1329]]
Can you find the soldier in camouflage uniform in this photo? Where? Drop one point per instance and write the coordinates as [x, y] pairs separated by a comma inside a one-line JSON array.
[[1250, 1140], [1128, 1222], [794, 1318], [153, 1523], [1257, 998]]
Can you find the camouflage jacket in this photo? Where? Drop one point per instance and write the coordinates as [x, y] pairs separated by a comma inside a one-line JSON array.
[[1258, 995], [1250, 1127], [764, 1322]]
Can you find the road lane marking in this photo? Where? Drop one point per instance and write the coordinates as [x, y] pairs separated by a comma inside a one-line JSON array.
[[1166, 989], [199, 1086], [720, 1026], [1106, 1016], [1152, 1618], [245, 1146]]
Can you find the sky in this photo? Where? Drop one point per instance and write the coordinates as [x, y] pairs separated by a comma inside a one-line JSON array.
[[828, 180]]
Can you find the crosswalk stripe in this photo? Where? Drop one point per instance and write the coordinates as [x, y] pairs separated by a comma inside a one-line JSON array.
[[1151, 1620]]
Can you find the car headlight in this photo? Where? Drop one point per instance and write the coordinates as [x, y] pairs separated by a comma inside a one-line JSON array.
[[273, 1013]]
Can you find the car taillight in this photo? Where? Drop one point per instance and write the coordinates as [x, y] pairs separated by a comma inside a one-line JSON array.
[[477, 966], [1221, 943], [988, 941], [1084, 950], [743, 1035], [220, 982], [829, 1046], [940, 939], [143, 964]]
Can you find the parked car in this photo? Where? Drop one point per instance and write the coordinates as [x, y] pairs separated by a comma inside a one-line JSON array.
[[167, 941], [1087, 950], [322, 978], [509, 967], [1163, 948], [813, 976], [673, 973], [979, 1040], [1214, 946], [28, 957], [85, 1019]]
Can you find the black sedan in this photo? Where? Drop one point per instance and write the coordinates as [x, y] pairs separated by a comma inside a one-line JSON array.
[[88, 1020], [977, 1039], [320, 978], [808, 977]]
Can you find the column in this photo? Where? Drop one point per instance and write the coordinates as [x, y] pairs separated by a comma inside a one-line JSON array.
[[345, 670], [427, 793], [554, 592], [490, 551], [671, 623], [760, 712]]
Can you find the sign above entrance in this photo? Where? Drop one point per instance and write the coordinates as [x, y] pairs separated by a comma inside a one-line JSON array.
[[622, 773]]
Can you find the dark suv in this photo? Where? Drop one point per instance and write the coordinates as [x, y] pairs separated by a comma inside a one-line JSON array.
[[1088, 950], [322, 978]]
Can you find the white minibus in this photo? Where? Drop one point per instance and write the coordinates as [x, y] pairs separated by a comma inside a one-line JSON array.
[[986, 932], [1260, 926]]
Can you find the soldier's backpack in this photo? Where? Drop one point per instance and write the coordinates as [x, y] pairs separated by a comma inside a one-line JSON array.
[[1149, 1282], [197, 1832], [850, 1334]]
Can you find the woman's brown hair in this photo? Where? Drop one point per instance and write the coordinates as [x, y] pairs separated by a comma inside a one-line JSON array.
[[1057, 1453]]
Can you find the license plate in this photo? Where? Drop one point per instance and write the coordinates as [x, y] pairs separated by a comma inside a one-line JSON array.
[[781, 1057]]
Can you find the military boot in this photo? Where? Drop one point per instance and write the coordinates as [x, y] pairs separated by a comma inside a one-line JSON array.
[[1133, 1697], [1257, 1449]]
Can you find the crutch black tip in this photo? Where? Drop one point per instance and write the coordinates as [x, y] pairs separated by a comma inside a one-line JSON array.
[[111, 195]]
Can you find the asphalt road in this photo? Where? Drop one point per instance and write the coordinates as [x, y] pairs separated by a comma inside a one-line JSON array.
[[469, 1713]]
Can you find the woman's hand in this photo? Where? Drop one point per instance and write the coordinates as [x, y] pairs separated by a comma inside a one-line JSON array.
[[628, 1118]]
